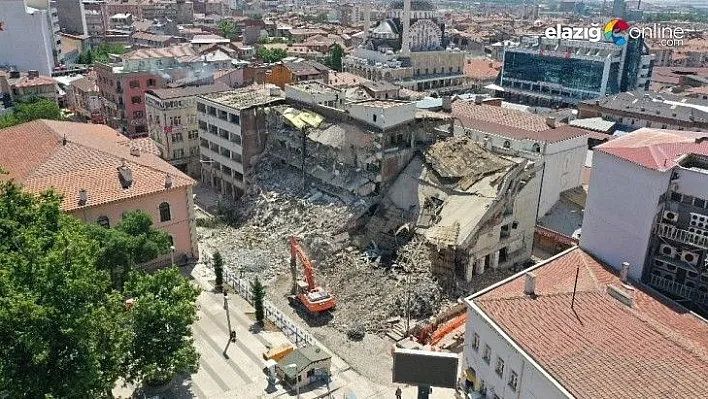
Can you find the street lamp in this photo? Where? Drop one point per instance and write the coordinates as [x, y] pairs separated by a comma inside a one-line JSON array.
[[232, 334], [172, 254], [297, 382]]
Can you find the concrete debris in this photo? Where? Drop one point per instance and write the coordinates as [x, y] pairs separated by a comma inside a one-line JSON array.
[[368, 290]]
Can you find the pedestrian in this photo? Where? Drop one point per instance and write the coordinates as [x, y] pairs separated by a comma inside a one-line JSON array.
[[398, 393]]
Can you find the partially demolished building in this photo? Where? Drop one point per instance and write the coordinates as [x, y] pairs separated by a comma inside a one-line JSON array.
[[474, 207]]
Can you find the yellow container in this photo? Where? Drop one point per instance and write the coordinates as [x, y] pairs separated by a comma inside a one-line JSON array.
[[278, 352]]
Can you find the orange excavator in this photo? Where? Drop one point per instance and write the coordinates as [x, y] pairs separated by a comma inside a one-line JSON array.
[[432, 334], [315, 299]]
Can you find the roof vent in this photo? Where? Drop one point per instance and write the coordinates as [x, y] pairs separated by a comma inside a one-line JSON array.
[[530, 284], [63, 140], [168, 181], [478, 100], [620, 295], [134, 151], [82, 197], [125, 175], [624, 272], [551, 122]]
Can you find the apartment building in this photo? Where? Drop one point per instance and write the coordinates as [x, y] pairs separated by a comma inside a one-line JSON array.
[[648, 206], [633, 110], [30, 24], [84, 99], [172, 124], [570, 327], [123, 84], [232, 133], [16, 84]]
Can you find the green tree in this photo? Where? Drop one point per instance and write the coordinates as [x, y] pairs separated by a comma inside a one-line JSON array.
[[271, 55], [163, 310], [258, 295], [228, 29], [28, 109], [218, 269], [62, 327], [133, 241], [334, 57]]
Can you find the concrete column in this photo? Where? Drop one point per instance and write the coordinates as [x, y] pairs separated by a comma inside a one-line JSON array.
[[494, 259], [479, 266]]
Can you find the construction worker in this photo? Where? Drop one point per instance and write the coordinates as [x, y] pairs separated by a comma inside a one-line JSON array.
[[398, 393]]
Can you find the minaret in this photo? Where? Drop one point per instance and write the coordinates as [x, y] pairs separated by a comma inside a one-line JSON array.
[[406, 40], [367, 21]]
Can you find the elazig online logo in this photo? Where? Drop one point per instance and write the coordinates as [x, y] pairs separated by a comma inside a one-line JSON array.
[[618, 31]]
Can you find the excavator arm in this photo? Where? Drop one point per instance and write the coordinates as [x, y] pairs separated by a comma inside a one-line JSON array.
[[297, 252]]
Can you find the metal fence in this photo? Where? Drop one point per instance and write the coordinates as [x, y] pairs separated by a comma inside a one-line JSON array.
[[299, 337]]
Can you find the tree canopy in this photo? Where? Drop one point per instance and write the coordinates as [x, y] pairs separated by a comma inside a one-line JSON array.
[[100, 53], [334, 57], [29, 109], [271, 55], [64, 328], [228, 29]]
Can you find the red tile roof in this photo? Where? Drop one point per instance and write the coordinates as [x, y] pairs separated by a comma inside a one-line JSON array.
[[89, 160], [177, 51], [482, 69], [514, 124], [26, 81], [602, 349], [656, 149]]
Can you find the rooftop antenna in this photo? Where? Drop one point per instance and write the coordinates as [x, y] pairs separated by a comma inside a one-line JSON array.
[[575, 287]]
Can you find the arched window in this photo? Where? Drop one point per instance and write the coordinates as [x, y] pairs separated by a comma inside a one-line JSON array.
[[103, 221], [536, 147], [507, 144], [165, 212]]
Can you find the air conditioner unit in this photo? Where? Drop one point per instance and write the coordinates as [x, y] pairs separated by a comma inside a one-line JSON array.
[[670, 216], [689, 257], [667, 250]]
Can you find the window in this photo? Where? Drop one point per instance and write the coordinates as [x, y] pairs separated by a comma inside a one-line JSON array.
[[487, 356], [310, 373], [136, 100], [193, 135], [134, 84], [374, 118], [513, 380], [151, 82], [176, 154], [193, 150], [138, 114], [536, 147], [475, 341], [165, 212], [177, 138], [500, 366], [201, 107], [515, 225], [103, 221]]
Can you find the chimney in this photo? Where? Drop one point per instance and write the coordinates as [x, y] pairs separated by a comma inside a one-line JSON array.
[[551, 121], [447, 104], [624, 271], [14, 74], [478, 100], [530, 284], [406, 41], [168, 181], [367, 21], [63, 140], [33, 73], [82, 197], [134, 151], [487, 144]]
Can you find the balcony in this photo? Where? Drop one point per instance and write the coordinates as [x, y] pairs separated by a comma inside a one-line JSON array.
[[678, 289], [683, 236]]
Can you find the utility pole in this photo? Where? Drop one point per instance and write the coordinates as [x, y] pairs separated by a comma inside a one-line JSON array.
[[304, 155], [232, 334]]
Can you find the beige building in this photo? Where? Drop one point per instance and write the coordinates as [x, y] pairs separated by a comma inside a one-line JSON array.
[[232, 133], [101, 175], [172, 124]]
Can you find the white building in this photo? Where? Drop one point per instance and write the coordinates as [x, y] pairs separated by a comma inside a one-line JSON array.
[[533, 336], [315, 93], [29, 39], [562, 147], [648, 205], [232, 133]]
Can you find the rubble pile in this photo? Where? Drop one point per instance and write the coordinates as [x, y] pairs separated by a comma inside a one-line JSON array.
[[367, 292]]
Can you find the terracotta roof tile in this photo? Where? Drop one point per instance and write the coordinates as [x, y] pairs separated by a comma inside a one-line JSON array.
[[655, 148], [482, 69], [26, 81], [602, 348], [517, 125], [89, 160]]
